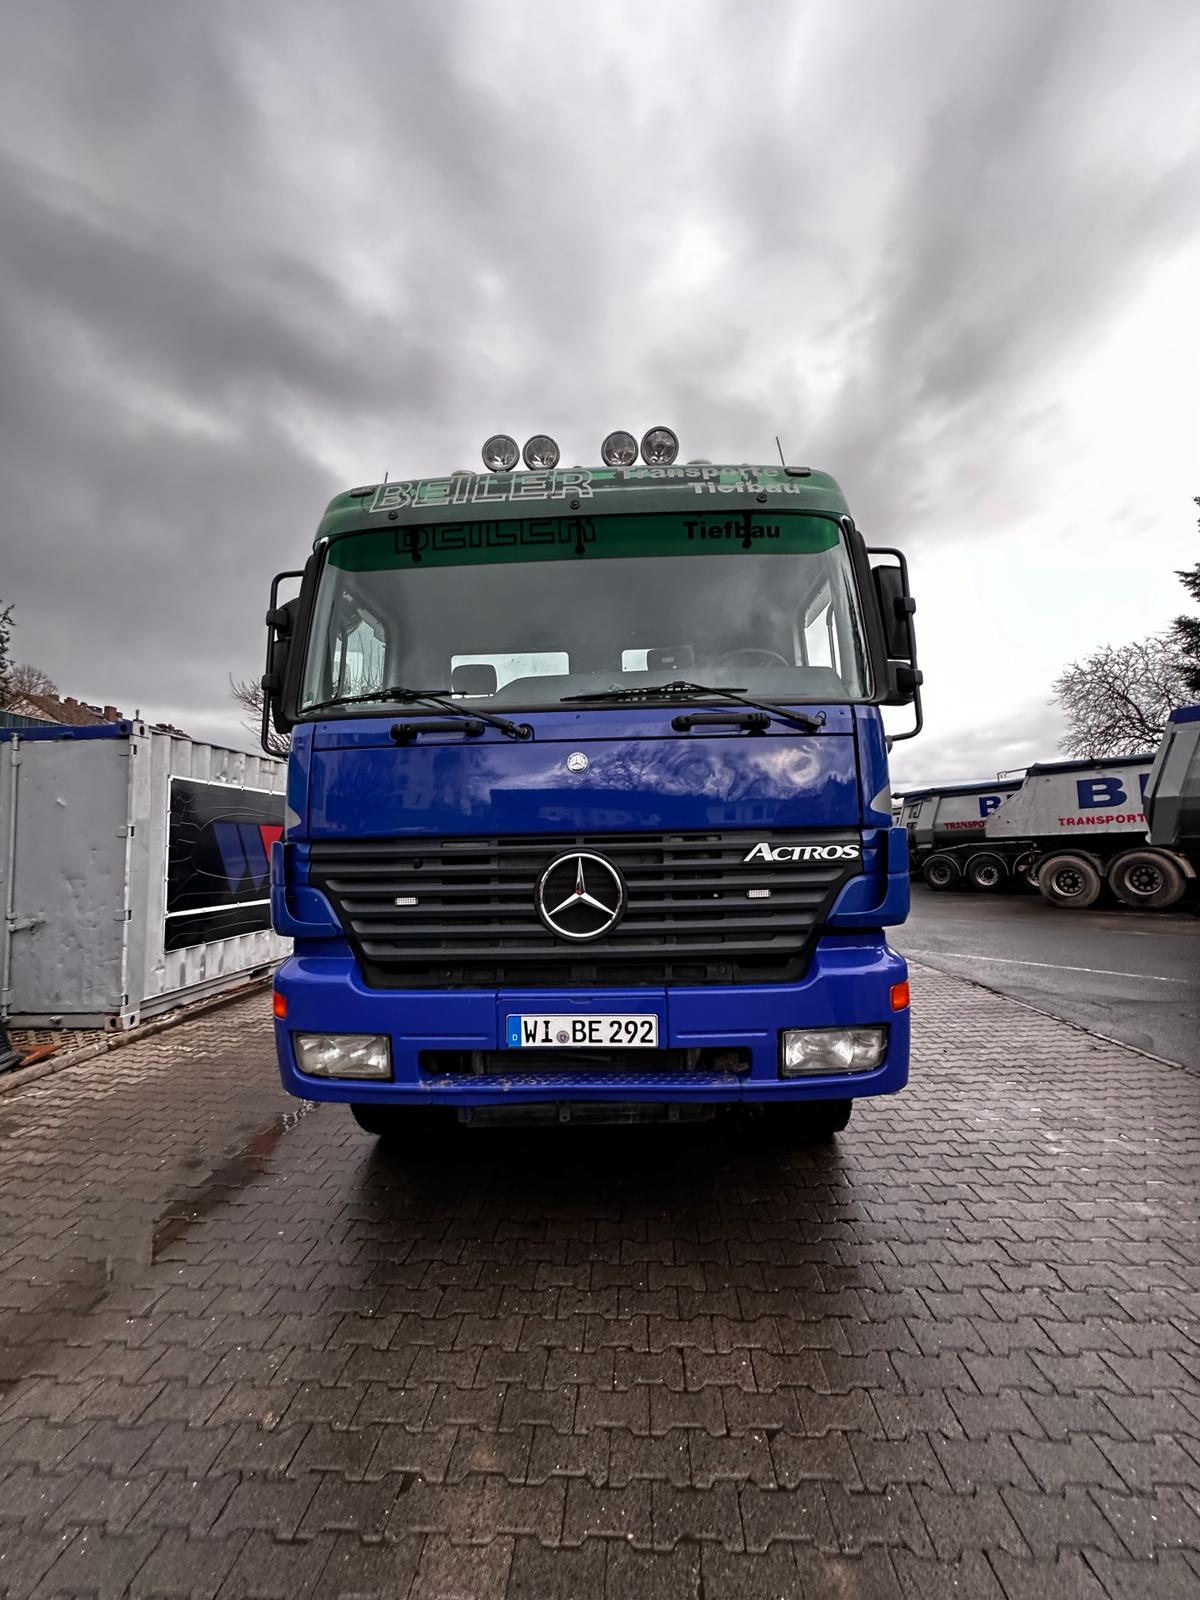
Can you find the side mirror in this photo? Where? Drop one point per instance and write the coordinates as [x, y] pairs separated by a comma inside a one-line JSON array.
[[896, 608], [281, 630]]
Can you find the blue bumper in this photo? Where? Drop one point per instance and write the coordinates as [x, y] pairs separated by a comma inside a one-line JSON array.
[[848, 984]]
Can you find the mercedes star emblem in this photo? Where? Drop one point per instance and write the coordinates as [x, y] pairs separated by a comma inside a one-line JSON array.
[[577, 761], [580, 896]]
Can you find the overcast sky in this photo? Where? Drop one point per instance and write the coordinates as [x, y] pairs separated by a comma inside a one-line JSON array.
[[252, 253]]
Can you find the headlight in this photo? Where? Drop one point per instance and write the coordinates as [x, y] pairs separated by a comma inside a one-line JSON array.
[[344, 1055], [659, 447], [500, 453], [832, 1050], [541, 453], [620, 449]]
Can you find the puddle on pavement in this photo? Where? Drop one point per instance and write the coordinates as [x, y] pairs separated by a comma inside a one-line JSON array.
[[75, 1294], [246, 1163]]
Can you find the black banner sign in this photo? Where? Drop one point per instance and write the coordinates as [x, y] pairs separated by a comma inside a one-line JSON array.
[[218, 861]]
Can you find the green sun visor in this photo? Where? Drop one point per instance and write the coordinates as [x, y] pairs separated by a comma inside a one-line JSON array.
[[699, 532]]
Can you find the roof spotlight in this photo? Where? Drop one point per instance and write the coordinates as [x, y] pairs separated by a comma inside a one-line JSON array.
[[620, 449], [541, 453], [500, 453], [659, 447]]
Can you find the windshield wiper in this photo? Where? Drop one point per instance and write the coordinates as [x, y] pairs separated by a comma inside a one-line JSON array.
[[429, 698], [682, 686]]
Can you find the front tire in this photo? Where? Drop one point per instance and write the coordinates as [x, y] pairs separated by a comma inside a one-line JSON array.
[[810, 1121], [1069, 880], [414, 1125], [941, 872], [1150, 880]]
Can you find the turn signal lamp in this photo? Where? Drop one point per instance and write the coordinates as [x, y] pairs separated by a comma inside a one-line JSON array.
[[279, 1005], [659, 447], [500, 453], [620, 449], [900, 996], [541, 453]]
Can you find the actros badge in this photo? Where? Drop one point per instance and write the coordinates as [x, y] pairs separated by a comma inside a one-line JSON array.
[[802, 852]]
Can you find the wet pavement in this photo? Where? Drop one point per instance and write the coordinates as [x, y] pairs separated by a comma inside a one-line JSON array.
[[1134, 976], [243, 1352]]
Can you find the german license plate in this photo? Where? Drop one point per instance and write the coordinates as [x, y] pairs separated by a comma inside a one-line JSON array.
[[542, 1032]]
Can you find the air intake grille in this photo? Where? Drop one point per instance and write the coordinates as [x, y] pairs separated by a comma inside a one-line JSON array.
[[462, 912]]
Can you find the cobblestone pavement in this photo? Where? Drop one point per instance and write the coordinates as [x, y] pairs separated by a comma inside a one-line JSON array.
[[244, 1353]]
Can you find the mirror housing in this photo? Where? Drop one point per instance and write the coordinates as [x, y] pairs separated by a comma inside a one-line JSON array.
[[281, 631], [896, 609]]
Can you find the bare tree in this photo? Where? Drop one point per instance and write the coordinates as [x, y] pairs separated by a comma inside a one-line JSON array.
[[23, 682], [1116, 701], [248, 694], [1186, 629], [6, 628]]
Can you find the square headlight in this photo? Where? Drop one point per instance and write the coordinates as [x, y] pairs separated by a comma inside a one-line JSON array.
[[344, 1055], [830, 1050]]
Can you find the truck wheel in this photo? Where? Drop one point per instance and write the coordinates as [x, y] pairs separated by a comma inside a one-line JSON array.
[[383, 1121], [1022, 867], [416, 1125], [809, 1121], [941, 872], [1150, 879], [1068, 880], [987, 872]]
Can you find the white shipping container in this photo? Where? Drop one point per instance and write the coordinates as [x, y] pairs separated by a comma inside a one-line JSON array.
[[134, 872], [1076, 800]]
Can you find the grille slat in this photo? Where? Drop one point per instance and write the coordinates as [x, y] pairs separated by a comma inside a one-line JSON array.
[[688, 918]]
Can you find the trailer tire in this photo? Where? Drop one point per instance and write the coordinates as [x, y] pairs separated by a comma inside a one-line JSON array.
[[1150, 879], [1069, 880], [987, 872], [941, 872]]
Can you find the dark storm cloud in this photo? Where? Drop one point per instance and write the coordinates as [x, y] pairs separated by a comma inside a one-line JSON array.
[[249, 253]]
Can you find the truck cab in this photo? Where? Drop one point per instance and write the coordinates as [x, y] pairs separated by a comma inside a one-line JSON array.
[[588, 809]]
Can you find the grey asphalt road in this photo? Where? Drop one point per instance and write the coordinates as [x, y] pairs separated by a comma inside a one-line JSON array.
[[1132, 976]]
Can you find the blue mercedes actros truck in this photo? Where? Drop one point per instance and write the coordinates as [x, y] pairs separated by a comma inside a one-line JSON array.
[[588, 815]]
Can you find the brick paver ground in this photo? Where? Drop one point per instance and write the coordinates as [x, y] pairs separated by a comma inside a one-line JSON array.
[[243, 1353]]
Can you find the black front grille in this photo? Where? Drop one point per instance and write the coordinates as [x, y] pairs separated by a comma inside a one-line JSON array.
[[471, 919]]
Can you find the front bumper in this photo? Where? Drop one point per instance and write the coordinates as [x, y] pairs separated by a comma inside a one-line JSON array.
[[848, 984]]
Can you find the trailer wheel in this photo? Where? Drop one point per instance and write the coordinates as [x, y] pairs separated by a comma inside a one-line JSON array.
[[1150, 879], [941, 872], [987, 872], [1068, 880]]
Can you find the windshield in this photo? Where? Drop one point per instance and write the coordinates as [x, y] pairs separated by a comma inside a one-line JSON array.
[[522, 614]]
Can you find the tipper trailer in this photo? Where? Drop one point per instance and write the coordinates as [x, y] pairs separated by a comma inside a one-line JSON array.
[[947, 840], [630, 855], [1073, 827], [1172, 804]]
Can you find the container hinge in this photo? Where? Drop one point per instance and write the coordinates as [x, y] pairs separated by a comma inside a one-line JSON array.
[[125, 833], [123, 916], [23, 924]]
